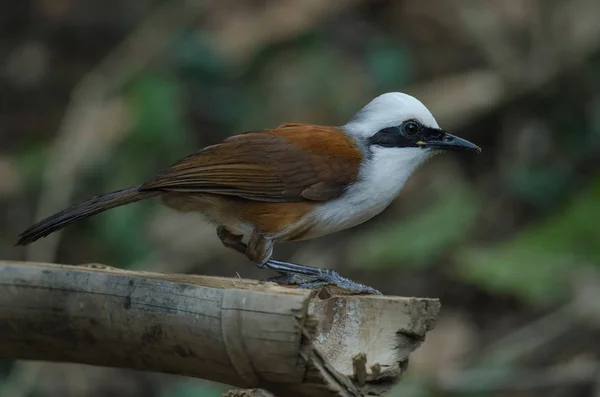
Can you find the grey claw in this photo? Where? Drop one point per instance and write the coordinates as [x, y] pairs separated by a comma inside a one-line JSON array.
[[287, 278], [293, 273], [333, 278]]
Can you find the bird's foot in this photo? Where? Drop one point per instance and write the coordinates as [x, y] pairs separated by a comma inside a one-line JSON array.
[[313, 277], [330, 277], [287, 278], [300, 281]]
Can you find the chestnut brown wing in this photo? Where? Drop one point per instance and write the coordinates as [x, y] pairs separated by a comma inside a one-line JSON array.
[[291, 163]]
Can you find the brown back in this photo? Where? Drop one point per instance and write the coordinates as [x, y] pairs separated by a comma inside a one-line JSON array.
[[291, 163]]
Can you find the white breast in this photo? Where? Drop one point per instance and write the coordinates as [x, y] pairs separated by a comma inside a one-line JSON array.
[[380, 180]]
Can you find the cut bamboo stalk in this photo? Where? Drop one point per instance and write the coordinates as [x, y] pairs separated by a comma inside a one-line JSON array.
[[245, 333]]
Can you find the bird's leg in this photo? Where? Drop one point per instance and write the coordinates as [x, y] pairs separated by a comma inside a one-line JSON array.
[[260, 249], [288, 279], [230, 240]]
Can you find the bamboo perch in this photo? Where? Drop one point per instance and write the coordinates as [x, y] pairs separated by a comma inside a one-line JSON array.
[[245, 333]]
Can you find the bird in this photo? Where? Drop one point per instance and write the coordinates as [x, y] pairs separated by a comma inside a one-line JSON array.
[[290, 183]]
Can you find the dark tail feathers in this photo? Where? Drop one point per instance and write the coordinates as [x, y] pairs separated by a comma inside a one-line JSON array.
[[81, 211]]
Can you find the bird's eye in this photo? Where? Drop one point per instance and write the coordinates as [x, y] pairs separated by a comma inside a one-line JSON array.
[[411, 128]]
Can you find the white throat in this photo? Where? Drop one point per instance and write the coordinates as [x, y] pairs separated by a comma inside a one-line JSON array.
[[385, 173], [381, 178]]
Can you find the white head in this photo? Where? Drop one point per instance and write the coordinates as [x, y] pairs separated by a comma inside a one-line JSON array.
[[397, 133], [389, 110], [399, 121]]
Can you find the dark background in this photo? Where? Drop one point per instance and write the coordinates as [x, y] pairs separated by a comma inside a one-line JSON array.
[[97, 95]]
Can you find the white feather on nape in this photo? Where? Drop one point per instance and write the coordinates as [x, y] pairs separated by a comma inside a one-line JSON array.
[[388, 110]]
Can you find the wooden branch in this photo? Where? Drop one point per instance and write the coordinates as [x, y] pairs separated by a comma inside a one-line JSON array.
[[244, 333]]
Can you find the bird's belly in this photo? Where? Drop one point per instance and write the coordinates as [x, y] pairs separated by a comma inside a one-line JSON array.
[[336, 216], [241, 216], [279, 221]]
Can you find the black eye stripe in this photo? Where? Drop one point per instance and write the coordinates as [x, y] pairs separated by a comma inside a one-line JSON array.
[[390, 137], [398, 137]]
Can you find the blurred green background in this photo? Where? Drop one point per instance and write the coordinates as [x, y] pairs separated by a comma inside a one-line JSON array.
[[101, 94]]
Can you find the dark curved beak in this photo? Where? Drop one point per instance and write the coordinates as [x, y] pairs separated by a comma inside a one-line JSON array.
[[451, 142]]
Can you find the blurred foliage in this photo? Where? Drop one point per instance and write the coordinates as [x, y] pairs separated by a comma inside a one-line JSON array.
[[31, 162], [423, 238], [158, 137], [193, 389], [515, 224], [389, 64], [538, 262]]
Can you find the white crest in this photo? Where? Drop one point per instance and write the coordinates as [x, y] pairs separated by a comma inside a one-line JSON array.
[[388, 110]]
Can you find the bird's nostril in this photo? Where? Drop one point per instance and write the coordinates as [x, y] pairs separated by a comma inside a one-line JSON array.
[[448, 138]]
